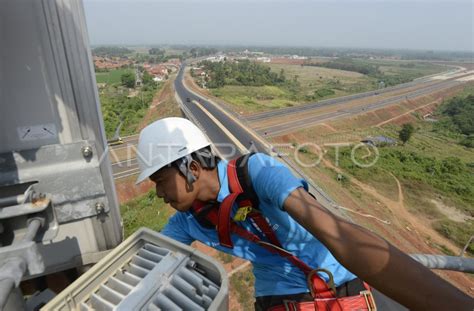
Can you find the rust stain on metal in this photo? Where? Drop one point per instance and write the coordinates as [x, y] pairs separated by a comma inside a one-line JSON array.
[[39, 202]]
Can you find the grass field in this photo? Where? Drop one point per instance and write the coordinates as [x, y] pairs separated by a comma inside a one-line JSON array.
[[319, 83], [327, 82], [409, 68], [254, 98], [112, 76], [145, 211], [314, 79]]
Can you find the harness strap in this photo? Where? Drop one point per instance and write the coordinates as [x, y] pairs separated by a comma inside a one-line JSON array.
[[242, 168], [239, 181], [214, 216], [264, 226], [224, 221], [243, 193], [201, 211], [233, 178]]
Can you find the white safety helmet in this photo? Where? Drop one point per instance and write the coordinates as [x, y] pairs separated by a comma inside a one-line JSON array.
[[165, 141]]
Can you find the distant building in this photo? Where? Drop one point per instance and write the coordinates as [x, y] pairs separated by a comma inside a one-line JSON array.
[[298, 57], [263, 59], [199, 72], [215, 59], [379, 141]]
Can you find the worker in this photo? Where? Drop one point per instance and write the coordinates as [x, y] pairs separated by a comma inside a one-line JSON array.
[[177, 156]]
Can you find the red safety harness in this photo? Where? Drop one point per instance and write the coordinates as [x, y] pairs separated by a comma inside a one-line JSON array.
[[242, 193]]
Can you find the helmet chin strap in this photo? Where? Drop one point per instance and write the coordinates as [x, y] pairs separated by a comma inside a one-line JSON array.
[[184, 167]]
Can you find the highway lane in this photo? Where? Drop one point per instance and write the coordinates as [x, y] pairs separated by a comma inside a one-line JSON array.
[[122, 157], [423, 82], [300, 123], [240, 133], [125, 168]]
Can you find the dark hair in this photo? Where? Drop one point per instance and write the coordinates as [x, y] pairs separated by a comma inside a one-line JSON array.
[[205, 157]]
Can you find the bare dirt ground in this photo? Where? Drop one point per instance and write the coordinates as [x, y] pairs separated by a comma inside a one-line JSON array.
[[424, 109], [127, 190]]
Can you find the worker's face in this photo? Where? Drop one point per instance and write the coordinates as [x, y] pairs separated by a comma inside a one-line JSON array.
[[171, 186]]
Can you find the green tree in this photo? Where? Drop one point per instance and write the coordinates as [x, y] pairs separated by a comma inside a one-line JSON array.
[[111, 51], [281, 76], [406, 132], [461, 112], [128, 80], [147, 78]]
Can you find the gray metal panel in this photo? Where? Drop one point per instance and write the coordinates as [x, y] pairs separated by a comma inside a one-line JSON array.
[[30, 95], [49, 112]]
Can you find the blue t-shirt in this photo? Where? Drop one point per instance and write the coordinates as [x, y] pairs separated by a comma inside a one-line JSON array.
[[274, 275]]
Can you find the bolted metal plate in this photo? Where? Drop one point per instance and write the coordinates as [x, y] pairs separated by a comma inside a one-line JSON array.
[[73, 180]]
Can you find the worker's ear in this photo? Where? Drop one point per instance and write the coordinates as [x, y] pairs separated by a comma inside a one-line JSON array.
[[195, 169]]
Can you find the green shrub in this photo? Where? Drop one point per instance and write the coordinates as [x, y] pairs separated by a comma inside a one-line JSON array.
[[128, 80], [117, 107], [323, 93], [468, 141], [406, 132]]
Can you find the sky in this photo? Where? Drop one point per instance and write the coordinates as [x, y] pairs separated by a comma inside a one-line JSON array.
[[395, 24]]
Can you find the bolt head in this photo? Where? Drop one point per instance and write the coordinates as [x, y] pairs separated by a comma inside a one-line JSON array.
[[87, 151], [99, 207]]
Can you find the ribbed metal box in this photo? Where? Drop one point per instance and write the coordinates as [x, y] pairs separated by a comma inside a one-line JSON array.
[[148, 271]]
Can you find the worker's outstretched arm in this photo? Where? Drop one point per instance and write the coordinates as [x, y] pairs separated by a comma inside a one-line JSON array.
[[375, 260]]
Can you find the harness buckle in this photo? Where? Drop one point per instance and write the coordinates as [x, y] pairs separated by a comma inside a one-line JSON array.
[[330, 283], [369, 300], [242, 213]]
